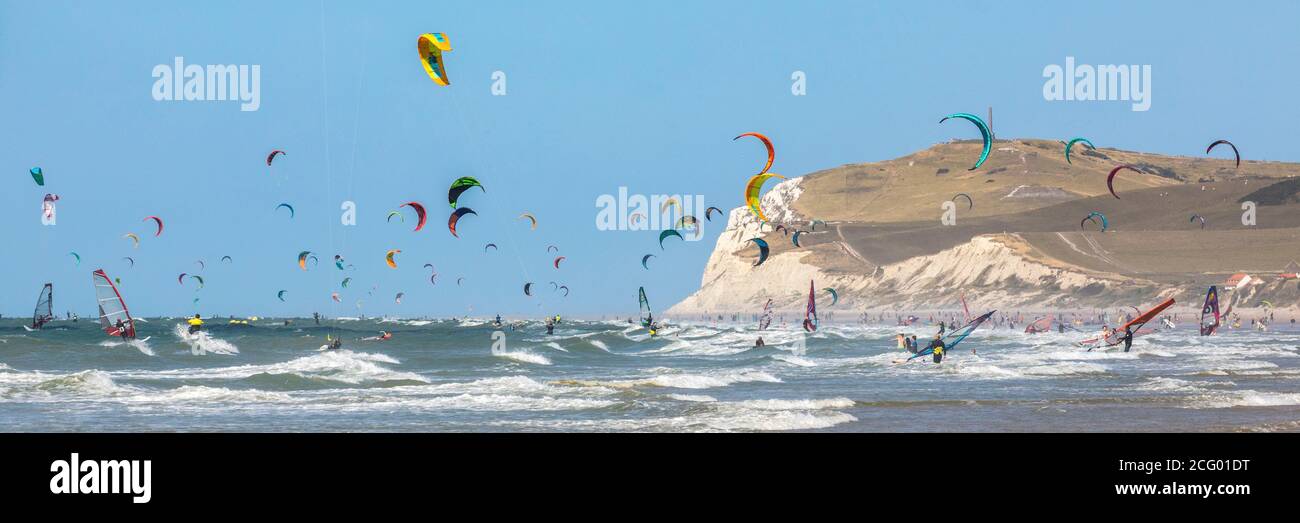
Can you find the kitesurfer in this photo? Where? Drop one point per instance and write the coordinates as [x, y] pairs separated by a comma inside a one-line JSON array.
[[316, 316], [550, 326], [196, 324], [759, 343], [336, 343], [498, 321]]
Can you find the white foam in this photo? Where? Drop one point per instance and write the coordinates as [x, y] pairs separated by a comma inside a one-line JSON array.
[[523, 356]]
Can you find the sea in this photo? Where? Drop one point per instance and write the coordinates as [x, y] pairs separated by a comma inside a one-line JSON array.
[[468, 375]]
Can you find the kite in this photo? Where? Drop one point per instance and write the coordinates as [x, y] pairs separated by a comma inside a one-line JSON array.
[[664, 235], [202, 266], [645, 259], [431, 47], [672, 200], [302, 259], [131, 236], [530, 218], [1071, 143], [984, 133], [1110, 179], [458, 280], [762, 250], [280, 295], [753, 188], [970, 203], [180, 280], [795, 238], [566, 290], [419, 212], [459, 186], [708, 213], [227, 258], [338, 261], [771, 152], [1094, 214], [130, 259], [1229, 144], [158, 221], [77, 256], [528, 289], [835, 296], [492, 245], [286, 206], [398, 298], [813, 224], [1198, 217], [549, 247], [345, 282], [335, 296], [455, 218], [397, 214], [557, 261], [271, 156], [388, 258], [38, 176]]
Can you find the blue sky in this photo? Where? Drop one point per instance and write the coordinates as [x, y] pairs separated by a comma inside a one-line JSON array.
[[600, 95]]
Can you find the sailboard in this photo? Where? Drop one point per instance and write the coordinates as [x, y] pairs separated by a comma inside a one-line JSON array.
[[647, 317], [765, 318], [1041, 324], [1135, 325], [810, 320], [44, 307], [1210, 312], [953, 338], [112, 307]]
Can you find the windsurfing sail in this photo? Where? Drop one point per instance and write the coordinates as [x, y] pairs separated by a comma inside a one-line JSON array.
[[965, 310], [44, 307], [1041, 324], [1210, 312], [647, 317], [810, 316], [1117, 336], [955, 337], [765, 318], [112, 308]]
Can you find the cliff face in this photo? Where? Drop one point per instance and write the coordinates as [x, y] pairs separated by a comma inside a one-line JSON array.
[[879, 242]]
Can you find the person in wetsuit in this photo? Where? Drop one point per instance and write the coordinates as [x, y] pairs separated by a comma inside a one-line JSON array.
[[196, 324], [336, 343], [937, 347], [759, 343], [550, 326], [1128, 339], [121, 330]]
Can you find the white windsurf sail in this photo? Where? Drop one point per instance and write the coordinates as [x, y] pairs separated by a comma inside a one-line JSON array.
[[112, 308]]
